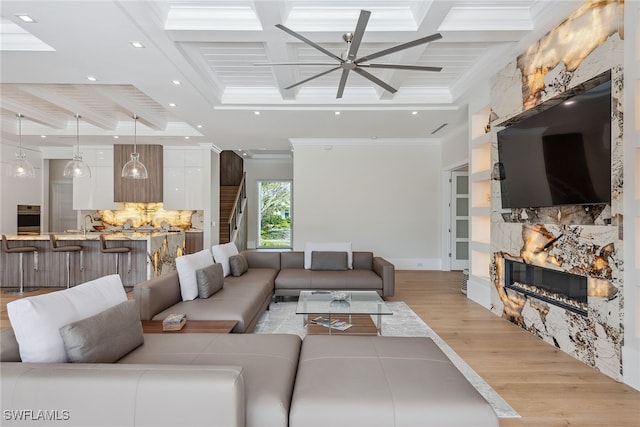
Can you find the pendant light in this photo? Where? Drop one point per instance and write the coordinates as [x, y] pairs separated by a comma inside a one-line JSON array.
[[134, 168], [20, 166], [77, 168]]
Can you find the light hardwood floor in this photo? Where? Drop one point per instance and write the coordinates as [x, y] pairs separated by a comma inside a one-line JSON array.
[[546, 386]]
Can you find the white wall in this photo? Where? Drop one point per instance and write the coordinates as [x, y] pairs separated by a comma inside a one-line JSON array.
[[455, 148], [262, 170], [383, 196], [17, 191]]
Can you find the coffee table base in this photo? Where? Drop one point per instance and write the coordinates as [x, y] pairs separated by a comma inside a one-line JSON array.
[[362, 324]]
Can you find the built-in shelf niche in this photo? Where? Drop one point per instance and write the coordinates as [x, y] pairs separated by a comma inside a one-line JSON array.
[[481, 154], [481, 229], [481, 194]]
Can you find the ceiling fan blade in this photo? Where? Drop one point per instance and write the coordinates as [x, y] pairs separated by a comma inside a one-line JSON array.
[[343, 82], [307, 41], [312, 77], [266, 64], [402, 67], [423, 40], [374, 79], [358, 33]]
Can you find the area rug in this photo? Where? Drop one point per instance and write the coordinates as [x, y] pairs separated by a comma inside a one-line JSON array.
[[282, 318]]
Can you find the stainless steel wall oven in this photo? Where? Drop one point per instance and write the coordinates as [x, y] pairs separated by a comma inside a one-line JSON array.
[[28, 219]]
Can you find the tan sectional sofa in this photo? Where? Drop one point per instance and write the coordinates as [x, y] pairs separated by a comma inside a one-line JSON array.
[[123, 377], [242, 298], [369, 273], [251, 380], [246, 297]]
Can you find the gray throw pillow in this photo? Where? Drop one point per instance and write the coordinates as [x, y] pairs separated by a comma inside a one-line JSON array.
[[329, 260], [210, 280], [238, 264], [104, 337]]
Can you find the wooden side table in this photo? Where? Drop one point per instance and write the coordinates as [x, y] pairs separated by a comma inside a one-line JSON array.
[[192, 326]]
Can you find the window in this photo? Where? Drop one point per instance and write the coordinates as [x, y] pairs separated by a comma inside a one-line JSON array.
[[274, 216]]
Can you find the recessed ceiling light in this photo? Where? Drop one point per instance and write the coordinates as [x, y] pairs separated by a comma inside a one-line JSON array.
[[172, 104], [199, 126], [337, 113], [137, 45], [414, 113], [116, 137], [92, 79], [43, 136], [257, 113], [244, 154], [177, 82], [186, 137], [25, 18]]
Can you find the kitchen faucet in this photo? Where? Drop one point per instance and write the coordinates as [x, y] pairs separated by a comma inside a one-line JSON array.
[[84, 224]]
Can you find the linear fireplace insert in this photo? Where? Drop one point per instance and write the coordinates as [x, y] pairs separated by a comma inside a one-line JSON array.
[[563, 289]]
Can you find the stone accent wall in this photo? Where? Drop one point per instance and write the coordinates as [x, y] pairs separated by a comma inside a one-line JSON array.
[[585, 240]]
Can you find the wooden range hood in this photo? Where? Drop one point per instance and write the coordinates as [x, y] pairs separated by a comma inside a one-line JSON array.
[[138, 190]]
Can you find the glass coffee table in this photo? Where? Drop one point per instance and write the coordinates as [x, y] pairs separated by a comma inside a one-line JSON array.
[[342, 312]]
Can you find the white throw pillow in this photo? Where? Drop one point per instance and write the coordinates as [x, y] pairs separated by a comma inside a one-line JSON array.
[[187, 265], [222, 253], [37, 320], [327, 247]]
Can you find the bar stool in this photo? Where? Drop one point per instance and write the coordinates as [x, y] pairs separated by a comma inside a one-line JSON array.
[[67, 249], [20, 250], [116, 250]]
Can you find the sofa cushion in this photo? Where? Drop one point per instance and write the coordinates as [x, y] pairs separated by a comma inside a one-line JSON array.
[[187, 265], [383, 381], [331, 246], [328, 260], [242, 298], [210, 280], [222, 253], [269, 363], [104, 337], [238, 265], [37, 320]]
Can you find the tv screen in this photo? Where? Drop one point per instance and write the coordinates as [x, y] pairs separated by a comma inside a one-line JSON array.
[[560, 156]]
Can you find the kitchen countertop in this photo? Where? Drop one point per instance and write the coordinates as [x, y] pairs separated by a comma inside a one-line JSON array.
[[94, 235]]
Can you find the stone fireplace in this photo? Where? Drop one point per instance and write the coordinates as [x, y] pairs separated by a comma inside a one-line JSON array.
[[558, 271]]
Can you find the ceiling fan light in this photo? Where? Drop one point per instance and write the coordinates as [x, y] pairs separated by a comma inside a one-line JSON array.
[[134, 168]]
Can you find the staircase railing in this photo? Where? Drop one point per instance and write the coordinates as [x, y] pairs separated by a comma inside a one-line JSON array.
[[238, 205]]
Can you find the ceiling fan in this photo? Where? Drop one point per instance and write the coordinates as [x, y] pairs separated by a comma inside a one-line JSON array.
[[349, 61]]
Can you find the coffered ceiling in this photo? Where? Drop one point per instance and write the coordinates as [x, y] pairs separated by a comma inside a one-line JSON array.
[[195, 81]]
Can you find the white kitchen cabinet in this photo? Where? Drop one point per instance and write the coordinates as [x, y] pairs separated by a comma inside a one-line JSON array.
[[95, 192], [183, 178]]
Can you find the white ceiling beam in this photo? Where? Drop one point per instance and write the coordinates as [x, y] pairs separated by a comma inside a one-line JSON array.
[[128, 106], [275, 48], [434, 17], [31, 112], [58, 99]]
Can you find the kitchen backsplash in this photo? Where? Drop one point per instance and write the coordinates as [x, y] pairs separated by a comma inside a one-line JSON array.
[[136, 215]]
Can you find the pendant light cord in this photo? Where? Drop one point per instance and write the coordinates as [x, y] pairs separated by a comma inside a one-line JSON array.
[[78, 134], [135, 133], [20, 132]]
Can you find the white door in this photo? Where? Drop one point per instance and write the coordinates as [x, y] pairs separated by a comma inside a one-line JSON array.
[[63, 216], [459, 228]]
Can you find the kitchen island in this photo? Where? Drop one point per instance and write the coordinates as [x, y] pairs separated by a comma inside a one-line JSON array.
[[152, 254]]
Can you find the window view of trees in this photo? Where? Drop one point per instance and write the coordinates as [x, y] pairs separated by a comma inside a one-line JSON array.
[[275, 214]]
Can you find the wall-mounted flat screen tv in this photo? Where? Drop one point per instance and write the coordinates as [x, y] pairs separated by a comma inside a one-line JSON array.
[[560, 156]]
